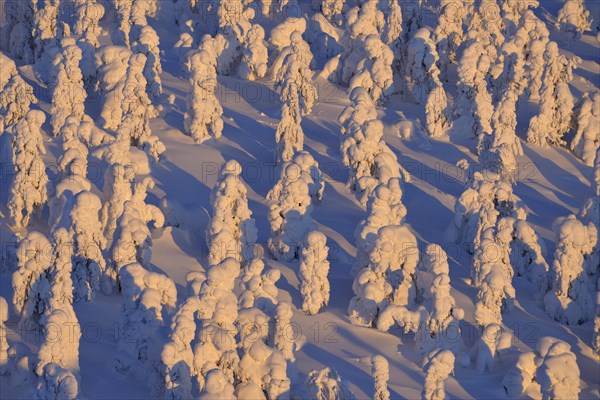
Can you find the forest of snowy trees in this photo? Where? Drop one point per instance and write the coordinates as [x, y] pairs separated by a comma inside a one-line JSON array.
[[222, 181]]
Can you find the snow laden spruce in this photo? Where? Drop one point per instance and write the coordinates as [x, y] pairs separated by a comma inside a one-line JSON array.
[[313, 271], [16, 96], [363, 150], [203, 118], [28, 190], [231, 231], [552, 366], [291, 71], [291, 201]]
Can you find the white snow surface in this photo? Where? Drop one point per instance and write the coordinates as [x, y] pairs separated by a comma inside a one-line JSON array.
[[551, 182]]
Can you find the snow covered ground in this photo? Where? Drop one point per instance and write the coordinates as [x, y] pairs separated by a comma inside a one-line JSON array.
[[551, 182]]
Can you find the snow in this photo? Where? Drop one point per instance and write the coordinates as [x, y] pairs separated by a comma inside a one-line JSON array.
[[203, 115], [120, 195], [438, 368], [381, 374], [327, 384], [313, 270]]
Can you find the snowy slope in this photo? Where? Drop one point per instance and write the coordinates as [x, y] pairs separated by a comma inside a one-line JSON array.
[[551, 182]]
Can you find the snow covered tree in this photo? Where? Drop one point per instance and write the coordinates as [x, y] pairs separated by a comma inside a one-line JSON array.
[[372, 162], [327, 384], [333, 10], [52, 37], [147, 43], [147, 295], [474, 102], [389, 279], [512, 10], [487, 24], [360, 110], [132, 241], [521, 375], [28, 188], [137, 108], [292, 72], [558, 374], [436, 323], [117, 190], [88, 14], [16, 95], [553, 120], [59, 274], [421, 65], [314, 267], [289, 134], [217, 387], [215, 306], [263, 369], [424, 79], [45, 24], [510, 64], [57, 383], [526, 248], [42, 298], [253, 64], [486, 200], [552, 366], [258, 287], [573, 19], [203, 117], [60, 346], [380, 371], [233, 19], [42, 286], [88, 62], [365, 19], [498, 150], [448, 35], [586, 124], [73, 169], [590, 211], [368, 48], [18, 30], [370, 159], [111, 64], [496, 294], [304, 167], [444, 313], [68, 95], [534, 37], [88, 244], [123, 10], [231, 231], [177, 355], [3, 342], [494, 340], [384, 207], [73, 161], [293, 65], [290, 205], [217, 346], [284, 338], [499, 147], [29, 282], [569, 299], [596, 339], [392, 35], [439, 366], [374, 72]]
